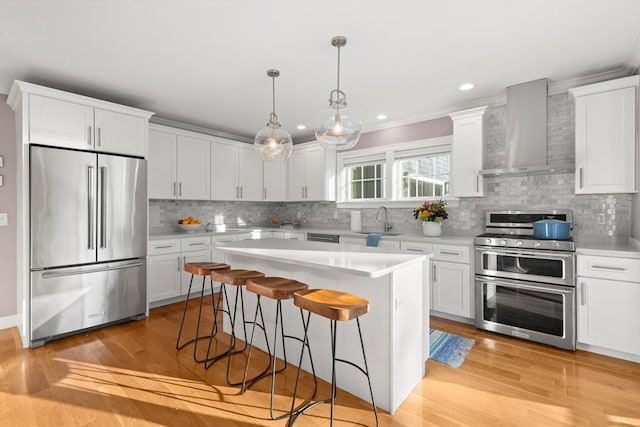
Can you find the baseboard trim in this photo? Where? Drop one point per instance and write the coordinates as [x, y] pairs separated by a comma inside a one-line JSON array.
[[7, 322]]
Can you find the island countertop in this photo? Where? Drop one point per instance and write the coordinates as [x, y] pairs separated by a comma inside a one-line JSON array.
[[350, 259]]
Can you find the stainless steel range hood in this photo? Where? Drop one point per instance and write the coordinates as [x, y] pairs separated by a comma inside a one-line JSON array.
[[527, 132]]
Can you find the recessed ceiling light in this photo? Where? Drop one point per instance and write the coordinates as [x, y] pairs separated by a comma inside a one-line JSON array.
[[381, 117], [466, 86], [301, 127]]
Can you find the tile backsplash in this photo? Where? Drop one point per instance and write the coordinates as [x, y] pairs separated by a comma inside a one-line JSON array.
[[594, 215]]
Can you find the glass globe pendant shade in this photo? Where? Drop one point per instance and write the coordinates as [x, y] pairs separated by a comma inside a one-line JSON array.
[[273, 144], [337, 128]]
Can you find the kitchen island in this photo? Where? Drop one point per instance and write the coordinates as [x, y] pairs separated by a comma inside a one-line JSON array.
[[395, 331]]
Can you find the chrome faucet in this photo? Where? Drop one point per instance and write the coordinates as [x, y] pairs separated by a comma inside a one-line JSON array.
[[387, 226]]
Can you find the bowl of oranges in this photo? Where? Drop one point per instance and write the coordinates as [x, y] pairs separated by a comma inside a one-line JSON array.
[[189, 224]]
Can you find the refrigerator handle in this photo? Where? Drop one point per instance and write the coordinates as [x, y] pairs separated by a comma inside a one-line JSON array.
[[90, 205], [103, 207]]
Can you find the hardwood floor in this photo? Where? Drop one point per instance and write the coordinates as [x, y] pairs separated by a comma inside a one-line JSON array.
[[131, 375]]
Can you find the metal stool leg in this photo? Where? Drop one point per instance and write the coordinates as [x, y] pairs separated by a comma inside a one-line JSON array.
[[253, 330]]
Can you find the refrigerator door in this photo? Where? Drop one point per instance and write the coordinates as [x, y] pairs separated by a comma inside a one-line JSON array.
[[66, 300], [122, 208], [63, 205]]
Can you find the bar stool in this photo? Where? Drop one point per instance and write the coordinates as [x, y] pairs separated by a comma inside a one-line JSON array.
[[278, 289], [203, 269], [335, 306], [238, 279]]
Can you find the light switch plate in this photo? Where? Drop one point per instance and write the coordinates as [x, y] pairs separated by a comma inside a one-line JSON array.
[[1, 161], [4, 219], [1, 180]]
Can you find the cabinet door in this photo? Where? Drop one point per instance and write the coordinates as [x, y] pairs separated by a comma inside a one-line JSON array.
[[275, 181], [297, 175], [315, 173], [466, 157], [196, 286], [193, 168], [161, 165], [608, 315], [249, 174], [606, 142], [120, 133], [451, 288], [224, 173], [163, 276], [60, 123]]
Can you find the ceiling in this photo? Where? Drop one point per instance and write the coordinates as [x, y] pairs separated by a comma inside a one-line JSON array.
[[204, 63]]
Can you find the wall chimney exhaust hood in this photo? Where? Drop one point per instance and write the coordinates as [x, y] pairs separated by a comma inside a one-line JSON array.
[[527, 133]]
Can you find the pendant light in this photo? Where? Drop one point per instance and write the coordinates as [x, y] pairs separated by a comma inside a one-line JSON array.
[[338, 127], [273, 143]]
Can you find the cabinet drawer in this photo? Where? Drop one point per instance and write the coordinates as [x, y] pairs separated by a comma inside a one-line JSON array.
[[423, 248], [451, 253], [195, 244], [159, 247], [217, 241], [625, 269]]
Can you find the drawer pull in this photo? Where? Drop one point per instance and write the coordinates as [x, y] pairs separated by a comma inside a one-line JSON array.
[[450, 253], [415, 250], [163, 247], [606, 267], [196, 244], [583, 294]]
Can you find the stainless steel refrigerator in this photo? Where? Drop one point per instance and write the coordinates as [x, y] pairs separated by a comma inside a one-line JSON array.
[[88, 227]]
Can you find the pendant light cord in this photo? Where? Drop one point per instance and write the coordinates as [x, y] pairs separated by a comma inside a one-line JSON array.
[[338, 86], [273, 92]]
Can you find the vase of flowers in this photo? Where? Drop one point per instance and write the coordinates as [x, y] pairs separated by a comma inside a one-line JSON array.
[[431, 214]]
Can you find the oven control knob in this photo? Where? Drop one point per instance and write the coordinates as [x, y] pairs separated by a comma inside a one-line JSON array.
[[536, 244], [519, 243], [503, 242], [556, 245], [487, 241]]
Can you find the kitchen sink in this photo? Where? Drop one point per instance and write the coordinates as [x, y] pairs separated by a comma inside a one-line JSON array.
[[379, 232]]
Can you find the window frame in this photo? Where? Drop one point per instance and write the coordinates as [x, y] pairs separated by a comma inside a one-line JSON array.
[[389, 155]]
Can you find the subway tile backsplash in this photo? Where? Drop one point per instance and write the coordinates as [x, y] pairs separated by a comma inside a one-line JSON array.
[[594, 215]]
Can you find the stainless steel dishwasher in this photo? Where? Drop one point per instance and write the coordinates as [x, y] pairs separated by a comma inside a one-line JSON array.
[[320, 237]]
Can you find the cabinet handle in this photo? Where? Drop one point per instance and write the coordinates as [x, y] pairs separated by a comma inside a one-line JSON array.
[[174, 188], [606, 267], [89, 135], [583, 294], [414, 250], [99, 138], [302, 192], [241, 192], [196, 244], [477, 183], [163, 247], [580, 172], [451, 253], [434, 273], [180, 189], [178, 262]]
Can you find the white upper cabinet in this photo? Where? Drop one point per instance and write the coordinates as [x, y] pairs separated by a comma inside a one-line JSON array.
[[606, 139], [62, 119], [275, 181], [467, 153], [236, 171], [178, 165], [312, 173]]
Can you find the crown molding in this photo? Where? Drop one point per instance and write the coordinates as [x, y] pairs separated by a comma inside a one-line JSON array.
[[200, 129], [561, 87]]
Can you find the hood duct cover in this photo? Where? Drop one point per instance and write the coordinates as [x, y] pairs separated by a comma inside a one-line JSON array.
[[527, 132]]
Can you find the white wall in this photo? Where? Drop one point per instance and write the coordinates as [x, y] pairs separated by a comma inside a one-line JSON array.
[[8, 204]]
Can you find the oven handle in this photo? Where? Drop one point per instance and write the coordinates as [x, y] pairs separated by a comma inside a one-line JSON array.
[[511, 284], [539, 255]]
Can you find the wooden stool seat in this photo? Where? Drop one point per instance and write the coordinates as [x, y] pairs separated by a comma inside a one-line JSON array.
[[204, 268], [234, 277], [277, 288], [331, 304]]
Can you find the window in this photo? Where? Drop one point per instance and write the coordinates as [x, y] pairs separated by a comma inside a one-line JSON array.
[[366, 181], [423, 177], [395, 173]]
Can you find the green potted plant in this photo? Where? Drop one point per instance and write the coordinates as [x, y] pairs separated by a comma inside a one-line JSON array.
[[431, 214]]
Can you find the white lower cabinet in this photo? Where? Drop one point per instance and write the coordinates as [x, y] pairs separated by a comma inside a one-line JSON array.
[[361, 241], [607, 304], [163, 269], [289, 235]]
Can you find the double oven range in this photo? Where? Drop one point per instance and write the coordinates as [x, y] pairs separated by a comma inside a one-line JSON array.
[[524, 286]]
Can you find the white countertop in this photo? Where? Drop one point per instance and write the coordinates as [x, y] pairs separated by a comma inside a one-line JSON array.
[[350, 259], [408, 236], [608, 246]]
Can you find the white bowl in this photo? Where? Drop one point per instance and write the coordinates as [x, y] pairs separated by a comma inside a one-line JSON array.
[[189, 227]]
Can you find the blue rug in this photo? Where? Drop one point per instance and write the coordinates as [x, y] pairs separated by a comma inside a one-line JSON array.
[[448, 348]]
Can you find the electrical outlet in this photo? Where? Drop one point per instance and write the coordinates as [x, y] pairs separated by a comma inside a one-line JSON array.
[[1, 161], [4, 219], [601, 218]]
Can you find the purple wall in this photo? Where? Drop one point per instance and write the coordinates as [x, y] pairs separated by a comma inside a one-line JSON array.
[[413, 132], [8, 204]]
